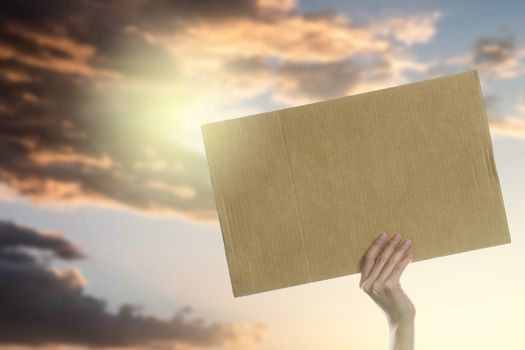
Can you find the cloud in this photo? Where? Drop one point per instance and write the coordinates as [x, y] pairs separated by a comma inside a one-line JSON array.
[[310, 82], [250, 57], [61, 143], [12, 235], [122, 11], [48, 51], [317, 80], [494, 58], [512, 125], [319, 39], [413, 29], [44, 306], [99, 96], [494, 51], [498, 57], [299, 37], [300, 82]]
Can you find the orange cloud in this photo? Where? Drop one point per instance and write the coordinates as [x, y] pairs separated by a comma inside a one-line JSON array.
[[251, 56], [15, 76], [513, 127], [78, 51], [47, 157], [413, 29], [291, 38], [277, 5]]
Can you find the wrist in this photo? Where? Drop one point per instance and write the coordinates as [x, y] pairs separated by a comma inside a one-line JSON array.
[[403, 322]]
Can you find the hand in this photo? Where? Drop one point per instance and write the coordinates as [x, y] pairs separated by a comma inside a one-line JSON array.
[[381, 268]]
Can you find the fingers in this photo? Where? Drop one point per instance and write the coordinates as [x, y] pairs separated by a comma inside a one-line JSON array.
[[400, 252], [383, 257], [395, 275], [370, 256]]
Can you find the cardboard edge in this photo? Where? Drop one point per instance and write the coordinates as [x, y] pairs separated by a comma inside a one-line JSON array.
[[223, 224], [491, 152]]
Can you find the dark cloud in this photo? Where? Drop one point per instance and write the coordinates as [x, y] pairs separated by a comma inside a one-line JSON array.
[[493, 57], [313, 81], [102, 24], [40, 10], [319, 81], [42, 306], [94, 20], [493, 50], [205, 8], [57, 151], [322, 81], [497, 58], [249, 65], [12, 235], [65, 134]]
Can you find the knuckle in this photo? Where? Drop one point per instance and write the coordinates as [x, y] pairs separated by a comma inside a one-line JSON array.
[[390, 286], [377, 288], [381, 259]]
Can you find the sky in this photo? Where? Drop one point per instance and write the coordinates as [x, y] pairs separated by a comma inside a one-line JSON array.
[[109, 236]]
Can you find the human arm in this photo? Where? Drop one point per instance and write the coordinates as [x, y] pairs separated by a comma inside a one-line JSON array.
[[381, 269]]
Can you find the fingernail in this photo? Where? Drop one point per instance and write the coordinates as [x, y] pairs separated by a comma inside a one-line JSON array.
[[407, 243], [382, 236], [396, 237]]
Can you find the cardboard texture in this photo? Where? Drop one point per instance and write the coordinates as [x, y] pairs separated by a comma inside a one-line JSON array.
[[302, 192]]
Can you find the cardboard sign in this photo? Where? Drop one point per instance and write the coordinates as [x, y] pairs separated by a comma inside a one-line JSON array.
[[302, 192]]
